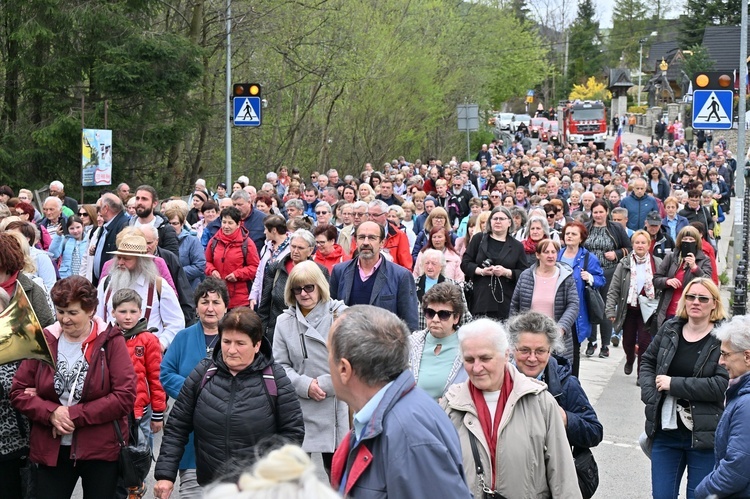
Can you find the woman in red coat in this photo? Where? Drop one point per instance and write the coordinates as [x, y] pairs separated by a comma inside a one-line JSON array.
[[327, 252], [74, 406], [231, 255]]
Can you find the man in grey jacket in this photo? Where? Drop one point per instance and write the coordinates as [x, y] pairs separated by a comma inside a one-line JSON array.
[[402, 443]]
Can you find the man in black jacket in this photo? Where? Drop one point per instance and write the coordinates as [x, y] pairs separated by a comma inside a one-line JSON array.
[[112, 211], [146, 200], [694, 212]]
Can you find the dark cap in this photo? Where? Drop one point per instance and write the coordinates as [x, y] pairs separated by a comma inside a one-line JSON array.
[[653, 218]]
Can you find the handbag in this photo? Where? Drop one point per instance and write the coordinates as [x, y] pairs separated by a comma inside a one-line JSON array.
[[594, 300], [135, 458], [587, 471], [648, 306]]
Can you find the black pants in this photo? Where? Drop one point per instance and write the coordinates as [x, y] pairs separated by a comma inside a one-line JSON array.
[[10, 478], [58, 482], [576, 353]]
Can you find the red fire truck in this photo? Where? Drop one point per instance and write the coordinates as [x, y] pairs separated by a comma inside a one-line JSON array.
[[582, 122]]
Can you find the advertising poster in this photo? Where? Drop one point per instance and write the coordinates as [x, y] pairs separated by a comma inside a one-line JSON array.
[[96, 157]]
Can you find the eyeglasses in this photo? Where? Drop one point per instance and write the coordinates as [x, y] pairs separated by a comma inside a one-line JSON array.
[[359, 215], [700, 298], [377, 214], [724, 355], [551, 215], [526, 352], [307, 288], [321, 243], [494, 195], [83, 214], [322, 212], [20, 213], [175, 224], [500, 219], [443, 315]]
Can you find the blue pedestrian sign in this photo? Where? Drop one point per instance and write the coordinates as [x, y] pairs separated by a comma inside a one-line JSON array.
[[712, 109], [247, 111]]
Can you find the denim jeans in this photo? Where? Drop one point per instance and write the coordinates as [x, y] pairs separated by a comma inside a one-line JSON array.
[[671, 453]]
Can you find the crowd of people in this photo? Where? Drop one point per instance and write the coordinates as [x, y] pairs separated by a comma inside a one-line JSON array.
[[420, 326]]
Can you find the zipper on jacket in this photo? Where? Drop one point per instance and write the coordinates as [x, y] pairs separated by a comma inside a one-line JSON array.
[[102, 366], [230, 403]]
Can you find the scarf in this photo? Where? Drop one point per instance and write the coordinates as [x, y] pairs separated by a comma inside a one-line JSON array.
[[10, 284], [648, 285], [489, 427], [529, 246]]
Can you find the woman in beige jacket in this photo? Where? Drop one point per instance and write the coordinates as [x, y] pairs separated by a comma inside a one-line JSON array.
[[513, 423]]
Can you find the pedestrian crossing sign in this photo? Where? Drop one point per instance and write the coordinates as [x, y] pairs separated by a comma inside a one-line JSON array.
[[712, 109], [247, 111]]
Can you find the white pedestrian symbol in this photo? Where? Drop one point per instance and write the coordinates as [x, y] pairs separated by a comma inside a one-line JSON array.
[[711, 109]]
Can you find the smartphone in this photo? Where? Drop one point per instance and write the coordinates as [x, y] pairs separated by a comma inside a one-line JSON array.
[[686, 248]]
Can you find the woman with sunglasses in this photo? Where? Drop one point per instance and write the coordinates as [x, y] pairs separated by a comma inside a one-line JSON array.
[[300, 346], [433, 351], [87, 213], [683, 385], [609, 242], [688, 261]]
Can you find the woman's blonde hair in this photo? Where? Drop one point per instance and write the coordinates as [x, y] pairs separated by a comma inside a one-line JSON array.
[[717, 314], [481, 220], [643, 233], [284, 473], [436, 212], [304, 273]]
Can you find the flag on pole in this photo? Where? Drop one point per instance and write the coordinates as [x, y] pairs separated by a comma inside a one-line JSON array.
[[617, 148]]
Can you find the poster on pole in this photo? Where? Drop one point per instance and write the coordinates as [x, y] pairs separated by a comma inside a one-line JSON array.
[[96, 157]]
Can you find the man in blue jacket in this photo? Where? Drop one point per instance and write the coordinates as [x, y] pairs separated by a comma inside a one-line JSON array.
[[371, 279], [639, 204], [402, 444]]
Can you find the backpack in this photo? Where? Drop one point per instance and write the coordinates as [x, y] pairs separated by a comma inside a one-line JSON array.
[[215, 242], [269, 382]]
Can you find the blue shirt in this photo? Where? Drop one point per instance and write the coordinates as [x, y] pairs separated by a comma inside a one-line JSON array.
[[363, 416]]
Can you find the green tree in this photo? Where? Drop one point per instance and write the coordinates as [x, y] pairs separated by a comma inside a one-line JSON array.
[[584, 44], [630, 23], [697, 60]]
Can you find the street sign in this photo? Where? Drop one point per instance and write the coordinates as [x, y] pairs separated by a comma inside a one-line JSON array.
[[468, 117], [247, 111], [712, 109]]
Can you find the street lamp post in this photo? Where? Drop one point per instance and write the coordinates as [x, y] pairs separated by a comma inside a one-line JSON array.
[[640, 68]]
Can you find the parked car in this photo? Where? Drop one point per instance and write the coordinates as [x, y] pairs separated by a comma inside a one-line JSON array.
[[537, 125], [523, 118], [505, 121], [550, 133]]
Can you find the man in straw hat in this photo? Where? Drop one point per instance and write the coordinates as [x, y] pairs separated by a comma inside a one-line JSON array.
[[135, 269]]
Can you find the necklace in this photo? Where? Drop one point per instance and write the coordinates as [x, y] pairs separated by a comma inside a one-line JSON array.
[[210, 347]]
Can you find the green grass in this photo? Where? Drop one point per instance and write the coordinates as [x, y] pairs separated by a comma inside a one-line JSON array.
[[724, 278]]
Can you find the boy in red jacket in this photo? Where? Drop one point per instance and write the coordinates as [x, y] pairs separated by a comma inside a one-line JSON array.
[[145, 353]]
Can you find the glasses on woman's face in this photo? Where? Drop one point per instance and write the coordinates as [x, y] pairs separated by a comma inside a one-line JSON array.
[[443, 315], [500, 219], [175, 224], [307, 288], [701, 298], [526, 352], [321, 242], [83, 214]]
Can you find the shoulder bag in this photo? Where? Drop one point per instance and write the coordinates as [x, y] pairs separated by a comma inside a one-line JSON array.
[[594, 300], [135, 458], [587, 471]]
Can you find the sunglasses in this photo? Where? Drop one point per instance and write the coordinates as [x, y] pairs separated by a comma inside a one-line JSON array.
[[700, 298], [321, 213], [307, 288], [83, 214], [443, 315]]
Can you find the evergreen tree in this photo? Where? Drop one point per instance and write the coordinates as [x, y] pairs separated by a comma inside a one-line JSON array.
[[584, 44], [629, 24]]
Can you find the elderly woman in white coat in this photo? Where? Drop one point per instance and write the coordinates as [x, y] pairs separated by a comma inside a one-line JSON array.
[[300, 346]]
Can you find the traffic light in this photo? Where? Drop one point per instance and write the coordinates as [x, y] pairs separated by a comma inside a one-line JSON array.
[[713, 80], [246, 90]]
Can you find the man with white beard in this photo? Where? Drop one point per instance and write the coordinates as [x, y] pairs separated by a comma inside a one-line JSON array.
[[135, 269]]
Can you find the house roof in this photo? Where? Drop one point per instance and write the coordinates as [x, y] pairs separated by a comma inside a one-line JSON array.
[[619, 78], [723, 46], [658, 51]]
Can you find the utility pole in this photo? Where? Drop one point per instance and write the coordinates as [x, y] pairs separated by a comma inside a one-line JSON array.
[[742, 203], [229, 108], [565, 67]]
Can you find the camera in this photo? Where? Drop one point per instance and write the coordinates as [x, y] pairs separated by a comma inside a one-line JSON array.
[[486, 264]]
